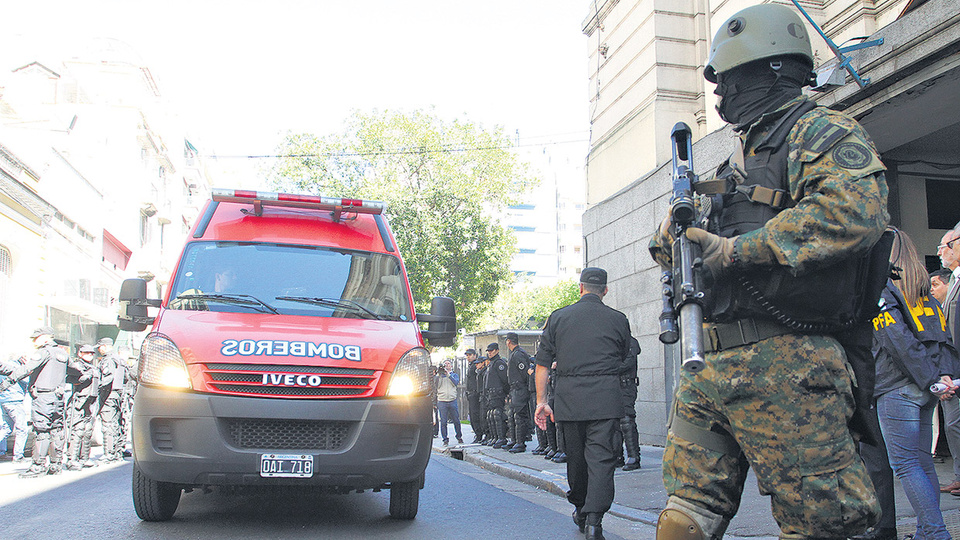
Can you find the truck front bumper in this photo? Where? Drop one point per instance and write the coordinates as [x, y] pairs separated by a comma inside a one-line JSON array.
[[205, 439]]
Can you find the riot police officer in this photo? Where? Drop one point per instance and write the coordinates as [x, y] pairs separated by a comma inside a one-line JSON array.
[[82, 411], [792, 212], [628, 391], [112, 379], [519, 392], [495, 389], [47, 368]]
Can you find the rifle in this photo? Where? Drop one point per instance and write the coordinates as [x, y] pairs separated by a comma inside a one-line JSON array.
[[682, 294]]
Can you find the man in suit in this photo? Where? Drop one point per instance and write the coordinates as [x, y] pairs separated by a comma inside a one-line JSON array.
[[949, 253]]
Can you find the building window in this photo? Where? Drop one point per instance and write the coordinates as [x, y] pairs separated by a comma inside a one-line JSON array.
[[527, 251], [520, 228]]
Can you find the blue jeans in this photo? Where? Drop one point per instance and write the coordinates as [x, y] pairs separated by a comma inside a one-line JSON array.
[[449, 412], [906, 415], [13, 419]]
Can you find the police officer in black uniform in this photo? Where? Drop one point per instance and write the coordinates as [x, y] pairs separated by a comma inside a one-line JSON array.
[[519, 392], [628, 391], [589, 342], [47, 368], [495, 388], [477, 416]]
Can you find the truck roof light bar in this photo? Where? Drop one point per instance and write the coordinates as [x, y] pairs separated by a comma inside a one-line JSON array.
[[336, 205]]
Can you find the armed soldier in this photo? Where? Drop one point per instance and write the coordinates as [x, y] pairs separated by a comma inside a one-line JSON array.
[[495, 389], [519, 392], [792, 212], [82, 412], [47, 368], [112, 375]]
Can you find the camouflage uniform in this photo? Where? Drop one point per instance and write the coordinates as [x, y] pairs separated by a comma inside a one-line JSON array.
[[786, 400]]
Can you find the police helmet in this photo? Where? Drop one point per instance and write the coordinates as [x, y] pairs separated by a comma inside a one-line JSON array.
[[757, 32], [42, 331]]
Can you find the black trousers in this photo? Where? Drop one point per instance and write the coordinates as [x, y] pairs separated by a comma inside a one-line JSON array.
[[881, 474], [591, 461]]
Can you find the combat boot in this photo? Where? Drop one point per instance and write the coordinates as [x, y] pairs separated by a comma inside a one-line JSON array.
[[542, 443], [34, 471], [74, 466], [560, 457], [90, 463], [518, 448], [628, 425], [54, 469]]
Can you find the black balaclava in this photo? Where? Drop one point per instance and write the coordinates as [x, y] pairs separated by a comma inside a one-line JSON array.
[[752, 89]]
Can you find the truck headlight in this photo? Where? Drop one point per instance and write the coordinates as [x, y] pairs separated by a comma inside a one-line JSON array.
[[161, 363], [413, 375]]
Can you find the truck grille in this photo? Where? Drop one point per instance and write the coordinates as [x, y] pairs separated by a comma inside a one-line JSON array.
[[265, 434], [314, 381]]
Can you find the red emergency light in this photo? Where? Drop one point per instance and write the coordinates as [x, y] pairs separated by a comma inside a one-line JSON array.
[[336, 205]]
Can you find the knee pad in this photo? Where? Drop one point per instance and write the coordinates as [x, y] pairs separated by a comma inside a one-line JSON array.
[[682, 520]]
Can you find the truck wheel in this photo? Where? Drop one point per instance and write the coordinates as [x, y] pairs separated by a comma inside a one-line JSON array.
[[405, 498], [153, 501]]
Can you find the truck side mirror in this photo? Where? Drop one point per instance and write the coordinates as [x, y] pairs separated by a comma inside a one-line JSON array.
[[133, 305], [442, 322]]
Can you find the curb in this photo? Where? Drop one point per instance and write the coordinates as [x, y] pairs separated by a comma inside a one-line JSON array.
[[544, 480]]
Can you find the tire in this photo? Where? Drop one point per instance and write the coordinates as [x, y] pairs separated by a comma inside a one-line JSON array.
[[154, 501], [405, 498]]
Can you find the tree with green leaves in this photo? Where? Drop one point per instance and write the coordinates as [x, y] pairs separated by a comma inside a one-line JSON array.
[[444, 183], [528, 308]]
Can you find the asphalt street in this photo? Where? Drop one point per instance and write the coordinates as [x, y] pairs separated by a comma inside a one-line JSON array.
[[460, 500]]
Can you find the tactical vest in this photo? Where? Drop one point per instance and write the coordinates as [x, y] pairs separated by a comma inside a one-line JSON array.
[[53, 372], [740, 201]]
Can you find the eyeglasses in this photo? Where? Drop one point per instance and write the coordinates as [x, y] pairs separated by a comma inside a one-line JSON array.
[[948, 245]]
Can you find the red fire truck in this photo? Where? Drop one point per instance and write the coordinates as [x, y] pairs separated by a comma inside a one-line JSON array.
[[286, 352]]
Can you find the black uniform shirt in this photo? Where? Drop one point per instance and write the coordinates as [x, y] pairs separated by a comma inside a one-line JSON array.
[[589, 342], [495, 381], [517, 372], [472, 379]]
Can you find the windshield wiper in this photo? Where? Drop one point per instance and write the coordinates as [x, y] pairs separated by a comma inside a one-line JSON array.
[[332, 302], [238, 299]]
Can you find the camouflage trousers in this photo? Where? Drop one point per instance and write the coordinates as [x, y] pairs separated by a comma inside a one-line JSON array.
[[786, 401]]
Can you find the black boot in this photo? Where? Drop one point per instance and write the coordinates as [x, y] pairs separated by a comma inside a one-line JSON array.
[[579, 518], [592, 529], [551, 434], [541, 442], [560, 457], [628, 425]]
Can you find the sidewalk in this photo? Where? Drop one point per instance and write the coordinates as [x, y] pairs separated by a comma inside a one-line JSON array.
[[640, 495]]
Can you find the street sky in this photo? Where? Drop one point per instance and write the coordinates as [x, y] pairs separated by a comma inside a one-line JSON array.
[[242, 73]]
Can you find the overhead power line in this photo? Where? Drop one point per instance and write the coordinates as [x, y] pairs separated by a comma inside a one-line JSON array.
[[400, 151]]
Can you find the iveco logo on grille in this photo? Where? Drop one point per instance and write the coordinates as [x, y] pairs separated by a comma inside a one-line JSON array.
[[286, 379]]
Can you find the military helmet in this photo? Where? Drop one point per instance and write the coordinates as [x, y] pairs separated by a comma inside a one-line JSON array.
[[42, 331], [757, 32]]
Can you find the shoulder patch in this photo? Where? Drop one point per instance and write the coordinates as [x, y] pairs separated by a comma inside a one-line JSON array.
[[852, 155], [502, 367]]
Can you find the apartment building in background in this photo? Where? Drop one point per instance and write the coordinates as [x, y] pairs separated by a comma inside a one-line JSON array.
[[98, 183]]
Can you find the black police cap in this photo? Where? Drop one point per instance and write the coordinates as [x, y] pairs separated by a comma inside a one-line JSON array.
[[493, 347], [593, 276]]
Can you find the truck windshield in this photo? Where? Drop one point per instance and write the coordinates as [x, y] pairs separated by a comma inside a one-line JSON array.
[[290, 280]]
